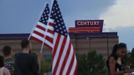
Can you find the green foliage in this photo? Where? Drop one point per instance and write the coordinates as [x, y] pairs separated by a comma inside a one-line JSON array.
[[91, 64], [130, 59], [45, 66]]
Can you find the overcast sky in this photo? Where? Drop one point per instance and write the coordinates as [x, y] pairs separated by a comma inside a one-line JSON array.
[[19, 16]]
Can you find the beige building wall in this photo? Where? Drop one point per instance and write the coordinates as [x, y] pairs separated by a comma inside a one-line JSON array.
[[82, 44]]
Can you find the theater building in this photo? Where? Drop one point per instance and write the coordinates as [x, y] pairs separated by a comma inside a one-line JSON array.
[[86, 36]]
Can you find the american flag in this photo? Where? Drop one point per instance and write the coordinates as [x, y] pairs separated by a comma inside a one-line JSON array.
[[43, 32], [64, 59]]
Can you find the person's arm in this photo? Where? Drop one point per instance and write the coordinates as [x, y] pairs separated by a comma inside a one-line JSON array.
[[132, 70], [6, 71], [129, 70], [112, 67]]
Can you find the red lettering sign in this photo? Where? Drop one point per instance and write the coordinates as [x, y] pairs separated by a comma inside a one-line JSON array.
[[87, 26]]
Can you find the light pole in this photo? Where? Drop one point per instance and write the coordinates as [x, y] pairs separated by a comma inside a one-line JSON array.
[[107, 46], [89, 43]]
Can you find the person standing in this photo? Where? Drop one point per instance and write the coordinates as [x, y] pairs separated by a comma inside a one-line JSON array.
[[26, 62], [3, 70], [8, 59], [116, 61]]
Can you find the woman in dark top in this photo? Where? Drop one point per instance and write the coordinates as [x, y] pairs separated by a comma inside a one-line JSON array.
[[26, 62], [116, 62]]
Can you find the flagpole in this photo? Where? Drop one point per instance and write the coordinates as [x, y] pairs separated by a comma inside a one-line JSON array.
[[30, 33], [42, 45]]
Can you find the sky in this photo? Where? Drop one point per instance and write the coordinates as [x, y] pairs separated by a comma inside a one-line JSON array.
[[20, 16]]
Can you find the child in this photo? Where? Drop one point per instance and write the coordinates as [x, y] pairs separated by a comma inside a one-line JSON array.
[[3, 70], [8, 59]]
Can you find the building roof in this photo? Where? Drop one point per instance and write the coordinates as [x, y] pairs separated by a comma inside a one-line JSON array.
[[16, 36], [95, 35], [19, 36]]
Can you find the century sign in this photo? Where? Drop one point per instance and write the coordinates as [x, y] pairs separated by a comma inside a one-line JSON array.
[[87, 26], [88, 23]]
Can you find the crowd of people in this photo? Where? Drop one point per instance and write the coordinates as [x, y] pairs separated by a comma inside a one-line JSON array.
[[26, 62], [23, 63]]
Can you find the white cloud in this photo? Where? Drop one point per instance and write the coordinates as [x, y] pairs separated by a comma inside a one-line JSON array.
[[121, 14]]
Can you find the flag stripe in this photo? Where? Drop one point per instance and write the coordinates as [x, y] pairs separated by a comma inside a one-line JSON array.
[[65, 60], [50, 27], [38, 33], [40, 27], [36, 39], [37, 36], [56, 45], [50, 31], [56, 49], [68, 62], [48, 43], [40, 41], [43, 26], [76, 69], [63, 57], [51, 23], [39, 30], [49, 39], [59, 57], [70, 66], [74, 66], [57, 52], [49, 34]]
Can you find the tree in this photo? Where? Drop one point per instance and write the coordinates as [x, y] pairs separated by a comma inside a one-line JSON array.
[[130, 58], [91, 64]]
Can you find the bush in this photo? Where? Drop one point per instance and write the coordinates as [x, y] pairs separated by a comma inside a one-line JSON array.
[[91, 64], [45, 67], [130, 59]]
